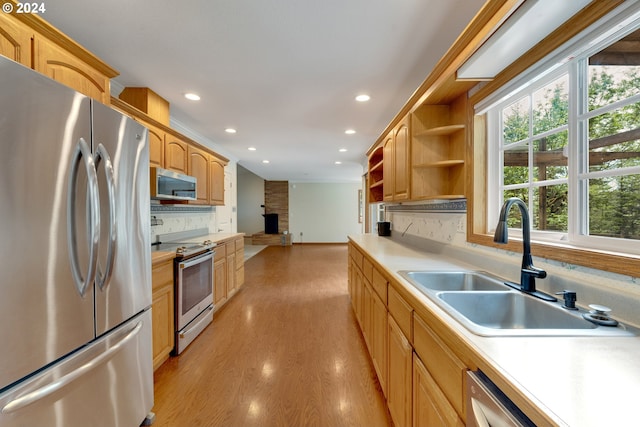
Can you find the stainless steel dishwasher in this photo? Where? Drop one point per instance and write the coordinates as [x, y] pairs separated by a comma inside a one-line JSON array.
[[487, 406]]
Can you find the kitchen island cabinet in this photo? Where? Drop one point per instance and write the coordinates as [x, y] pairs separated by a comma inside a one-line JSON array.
[[228, 269]]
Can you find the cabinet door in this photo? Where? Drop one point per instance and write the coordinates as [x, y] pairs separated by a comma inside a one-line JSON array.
[[216, 183], [199, 168], [156, 146], [239, 262], [399, 397], [162, 322], [388, 166], [430, 406], [62, 66], [231, 273], [175, 154], [15, 40], [367, 315], [401, 167], [162, 311], [380, 340], [219, 281]]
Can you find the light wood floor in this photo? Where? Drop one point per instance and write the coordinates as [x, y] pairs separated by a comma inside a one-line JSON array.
[[285, 351]]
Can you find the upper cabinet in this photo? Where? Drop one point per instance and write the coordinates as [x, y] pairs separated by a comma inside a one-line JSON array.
[[54, 61], [438, 151], [199, 168], [216, 184], [156, 145], [31, 41], [395, 152], [175, 154], [376, 175], [15, 40]]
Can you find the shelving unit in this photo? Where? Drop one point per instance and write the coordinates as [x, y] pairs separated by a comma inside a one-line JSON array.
[[438, 152], [376, 175]]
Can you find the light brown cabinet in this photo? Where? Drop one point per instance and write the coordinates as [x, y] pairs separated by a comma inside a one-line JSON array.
[[430, 406], [422, 378], [399, 395], [64, 67], [438, 151], [176, 154], [162, 310], [228, 270], [15, 40], [395, 153], [376, 175], [31, 41], [216, 180], [156, 145], [198, 167]]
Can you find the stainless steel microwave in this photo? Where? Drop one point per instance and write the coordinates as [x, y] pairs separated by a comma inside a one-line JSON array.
[[170, 185]]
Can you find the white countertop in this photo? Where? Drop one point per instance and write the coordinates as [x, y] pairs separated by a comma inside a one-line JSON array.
[[575, 381]]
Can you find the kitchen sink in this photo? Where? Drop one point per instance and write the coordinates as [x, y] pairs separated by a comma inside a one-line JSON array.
[[484, 305], [454, 280]]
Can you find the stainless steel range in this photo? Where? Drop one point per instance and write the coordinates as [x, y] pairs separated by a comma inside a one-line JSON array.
[[193, 279]]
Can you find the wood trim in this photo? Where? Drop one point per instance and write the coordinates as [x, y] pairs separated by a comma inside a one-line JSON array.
[[476, 165], [443, 74], [580, 21]]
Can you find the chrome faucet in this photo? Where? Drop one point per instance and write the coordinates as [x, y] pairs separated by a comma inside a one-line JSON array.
[[528, 273]]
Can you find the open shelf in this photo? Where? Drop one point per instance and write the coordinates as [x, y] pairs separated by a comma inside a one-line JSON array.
[[440, 130], [440, 164]]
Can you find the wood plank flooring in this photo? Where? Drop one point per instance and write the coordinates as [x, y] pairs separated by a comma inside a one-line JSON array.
[[285, 351]]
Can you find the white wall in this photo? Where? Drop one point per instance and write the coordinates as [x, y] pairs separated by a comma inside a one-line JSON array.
[[250, 196], [323, 212]]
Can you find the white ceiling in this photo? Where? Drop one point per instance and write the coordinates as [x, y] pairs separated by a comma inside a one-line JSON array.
[[283, 73]]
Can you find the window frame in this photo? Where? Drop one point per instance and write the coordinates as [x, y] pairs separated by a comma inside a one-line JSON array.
[[554, 48]]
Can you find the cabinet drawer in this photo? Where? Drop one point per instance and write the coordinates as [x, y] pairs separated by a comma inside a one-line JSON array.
[[401, 312], [444, 366], [162, 274], [221, 251], [367, 270], [358, 258], [379, 284], [239, 244]]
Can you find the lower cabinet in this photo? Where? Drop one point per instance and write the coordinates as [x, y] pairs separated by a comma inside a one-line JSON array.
[[430, 406], [228, 270], [162, 311], [399, 396], [421, 377]]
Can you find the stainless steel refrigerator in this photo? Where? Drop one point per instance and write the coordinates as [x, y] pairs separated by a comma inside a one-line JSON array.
[[75, 262]]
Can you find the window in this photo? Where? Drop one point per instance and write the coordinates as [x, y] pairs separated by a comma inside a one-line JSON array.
[[565, 138]]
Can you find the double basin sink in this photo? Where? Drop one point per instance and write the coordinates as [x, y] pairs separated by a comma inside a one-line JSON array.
[[486, 306]]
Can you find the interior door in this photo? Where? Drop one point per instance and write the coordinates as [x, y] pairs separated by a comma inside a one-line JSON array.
[[41, 310]]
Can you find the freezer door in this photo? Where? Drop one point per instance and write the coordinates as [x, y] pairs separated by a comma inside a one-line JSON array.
[[106, 384], [123, 282], [42, 314]]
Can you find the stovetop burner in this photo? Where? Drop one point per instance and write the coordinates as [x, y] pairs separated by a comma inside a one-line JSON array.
[[176, 242]]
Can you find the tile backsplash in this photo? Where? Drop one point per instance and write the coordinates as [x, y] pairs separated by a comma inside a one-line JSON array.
[[171, 222]]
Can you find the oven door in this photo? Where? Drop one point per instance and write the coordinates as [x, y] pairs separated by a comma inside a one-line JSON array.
[[194, 287]]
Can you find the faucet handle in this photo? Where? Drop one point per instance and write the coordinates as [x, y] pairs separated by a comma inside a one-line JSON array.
[[570, 298]]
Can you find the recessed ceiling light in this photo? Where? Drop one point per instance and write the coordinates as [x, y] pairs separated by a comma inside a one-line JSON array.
[[192, 96], [265, 161], [338, 162], [349, 131], [251, 148], [343, 150], [230, 130], [363, 98]]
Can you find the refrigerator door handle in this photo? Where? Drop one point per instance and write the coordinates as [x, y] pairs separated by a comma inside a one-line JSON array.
[[82, 151], [102, 154], [47, 390]]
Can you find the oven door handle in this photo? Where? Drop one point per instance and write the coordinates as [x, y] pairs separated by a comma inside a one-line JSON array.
[[196, 260]]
